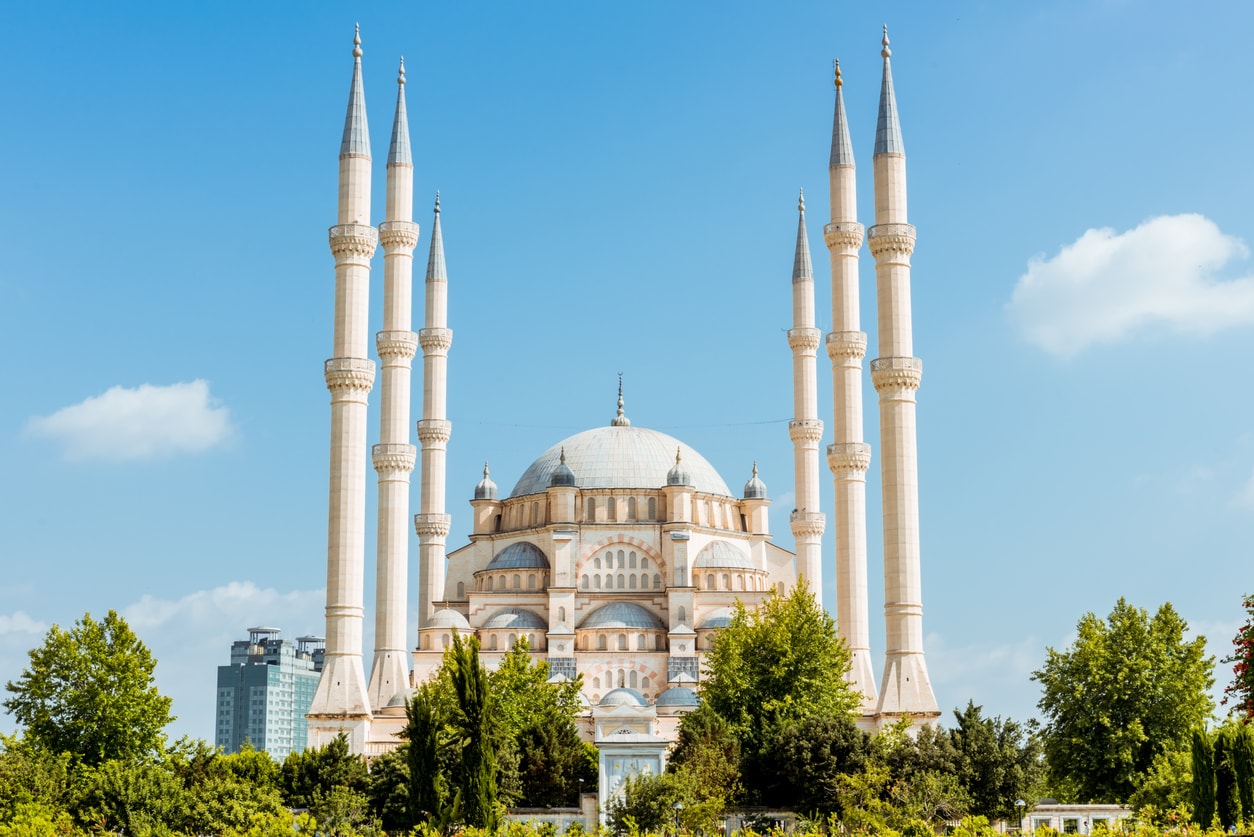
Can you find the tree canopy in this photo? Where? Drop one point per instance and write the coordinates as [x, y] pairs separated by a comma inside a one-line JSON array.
[[1241, 690], [1128, 689], [90, 691]]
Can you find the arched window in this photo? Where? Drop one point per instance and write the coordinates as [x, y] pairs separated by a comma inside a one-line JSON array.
[[620, 581], [644, 683], [535, 514], [496, 524], [591, 513], [513, 640], [740, 581], [561, 615], [596, 682], [609, 581], [709, 582], [631, 508], [601, 642], [622, 642], [659, 643], [492, 642], [622, 678], [622, 561], [631, 560], [653, 508], [631, 581], [501, 582], [531, 581], [584, 581], [426, 643], [657, 581], [611, 509], [445, 640], [461, 589], [632, 678], [489, 584], [639, 642], [517, 581], [596, 582], [644, 563], [683, 615], [779, 586], [726, 581], [596, 563]]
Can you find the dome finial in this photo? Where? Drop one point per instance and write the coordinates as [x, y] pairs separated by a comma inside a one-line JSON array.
[[836, 64], [357, 40], [885, 52], [562, 458], [755, 468], [437, 203], [486, 475], [400, 74], [620, 420], [801, 200]]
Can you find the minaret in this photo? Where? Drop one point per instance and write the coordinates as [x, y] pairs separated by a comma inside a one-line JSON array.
[[394, 456], [848, 456], [431, 523], [805, 429], [906, 689], [340, 701]]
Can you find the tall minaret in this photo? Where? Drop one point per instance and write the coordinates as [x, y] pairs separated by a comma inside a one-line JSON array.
[[394, 456], [906, 688], [340, 701], [848, 456], [805, 429], [431, 523]]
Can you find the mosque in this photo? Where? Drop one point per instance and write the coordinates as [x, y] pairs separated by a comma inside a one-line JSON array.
[[620, 552]]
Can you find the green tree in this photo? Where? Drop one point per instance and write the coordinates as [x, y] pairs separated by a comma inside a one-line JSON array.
[[1129, 688], [1227, 802], [708, 751], [1241, 690], [388, 788], [802, 761], [1168, 785], [427, 789], [32, 778], [999, 762], [1243, 763], [89, 691], [475, 723], [1203, 795], [136, 798], [308, 778]]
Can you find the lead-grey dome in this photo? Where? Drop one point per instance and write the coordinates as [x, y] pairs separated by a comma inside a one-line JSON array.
[[624, 697], [723, 555], [519, 556], [620, 457], [678, 696], [622, 615], [720, 618], [448, 618], [514, 618]]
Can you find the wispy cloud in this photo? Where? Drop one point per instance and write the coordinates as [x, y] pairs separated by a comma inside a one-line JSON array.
[[996, 675], [1107, 286], [20, 623], [145, 422]]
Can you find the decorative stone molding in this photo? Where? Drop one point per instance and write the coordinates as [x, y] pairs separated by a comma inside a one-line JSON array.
[[843, 457], [846, 344], [896, 372], [804, 339], [353, 240], [396, 344], [349, 373], [390, 456], [844, 235], [435, 339], [398, 235], [891, 239], [807, 524], [805, 430], [432, 525], [434, 431]]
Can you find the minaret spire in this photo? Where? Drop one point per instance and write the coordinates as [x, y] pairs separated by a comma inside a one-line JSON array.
[[805, 430], [906, 690], [620, 420], [434, 430], [341, 702], [848, 456], [394, 456]]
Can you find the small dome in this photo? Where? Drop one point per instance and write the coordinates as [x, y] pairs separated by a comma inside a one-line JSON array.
[[678, 474], [623, 697], [720, 618], [401, 697], [514, 618], [678, 696], [562, 475], [486, 489], [755, 489], [622, 615], [723, 555], [448, 618], [519, 556]]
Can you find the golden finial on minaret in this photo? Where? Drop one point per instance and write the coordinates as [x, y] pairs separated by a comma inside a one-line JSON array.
[[839, 81]]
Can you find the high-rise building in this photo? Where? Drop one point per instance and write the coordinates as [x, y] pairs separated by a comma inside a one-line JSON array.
[[265, 691]]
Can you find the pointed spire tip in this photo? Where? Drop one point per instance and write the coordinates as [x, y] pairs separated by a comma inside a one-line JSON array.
[[357, 40], [437, 202], [885, 52], [400, 74], [801, 200], [836, 65]]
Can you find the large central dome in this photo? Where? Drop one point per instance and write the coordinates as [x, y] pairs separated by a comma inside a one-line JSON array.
[[620, 457]]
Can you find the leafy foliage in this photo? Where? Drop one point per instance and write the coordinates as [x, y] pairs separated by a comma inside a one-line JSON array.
[[1241, 690], [476, 727], [90, 692], [1203, 778], [1128, 689], [1227, 803]]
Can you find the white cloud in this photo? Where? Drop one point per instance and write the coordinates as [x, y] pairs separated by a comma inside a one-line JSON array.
[[20, 623], [141, 423], [1107, 286]]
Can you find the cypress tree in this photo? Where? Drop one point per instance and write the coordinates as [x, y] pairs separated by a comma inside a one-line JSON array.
[[1227, 803], [1203, 779], [470, 684], [426, 784], [1243, 762]]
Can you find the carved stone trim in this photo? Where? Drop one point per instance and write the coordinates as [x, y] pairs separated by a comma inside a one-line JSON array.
[[435, 339], [807, 523], [432, 525], [434, 431], [896, 372], [805, 430], [396, 343], [353, 373], [846, 344], [845, 235], [892, 239], [390, 456], [848, 456], [353, 240], [804, 339], [398, 235]]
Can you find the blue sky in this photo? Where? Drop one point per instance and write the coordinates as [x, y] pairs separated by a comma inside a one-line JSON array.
[[618, 185]]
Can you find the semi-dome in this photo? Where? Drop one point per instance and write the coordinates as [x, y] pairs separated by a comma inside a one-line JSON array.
[[448, 618], [720, 618], [519, 556], [723, 555], [622, 615], [624, 697], [678, 696], [620, 457], [514, 619]]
